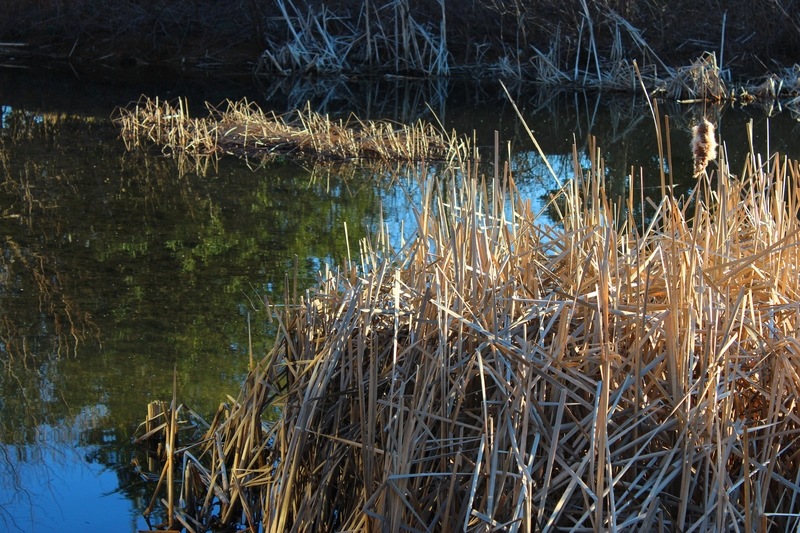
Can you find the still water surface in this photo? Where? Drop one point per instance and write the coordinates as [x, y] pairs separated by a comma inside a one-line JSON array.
[[118, 269]]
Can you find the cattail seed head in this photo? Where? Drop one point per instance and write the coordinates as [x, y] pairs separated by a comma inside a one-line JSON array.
[[704, 145]]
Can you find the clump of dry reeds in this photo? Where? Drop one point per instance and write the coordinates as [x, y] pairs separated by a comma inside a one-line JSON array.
[[703, 145], [699, 82], [243, 129], [390, 37], [499, 373]]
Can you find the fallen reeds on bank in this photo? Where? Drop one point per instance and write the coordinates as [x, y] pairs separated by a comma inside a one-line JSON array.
[[500, 373], [243, 129]]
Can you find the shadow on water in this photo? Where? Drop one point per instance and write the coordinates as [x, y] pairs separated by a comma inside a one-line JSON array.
[[117, 268]]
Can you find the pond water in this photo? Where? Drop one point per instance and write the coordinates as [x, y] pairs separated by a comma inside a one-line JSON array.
[[121, 270]]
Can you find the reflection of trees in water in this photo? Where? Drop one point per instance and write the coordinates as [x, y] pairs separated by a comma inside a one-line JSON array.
[[40, 323], [12, 486], [54, 327], [143, 266], [30, 269], [32, 474]]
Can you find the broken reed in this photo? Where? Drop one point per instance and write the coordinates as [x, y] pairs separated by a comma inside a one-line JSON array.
[[496, 372], [243, 129]]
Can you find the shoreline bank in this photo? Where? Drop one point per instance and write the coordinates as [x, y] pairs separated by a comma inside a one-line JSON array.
[[690, 51]]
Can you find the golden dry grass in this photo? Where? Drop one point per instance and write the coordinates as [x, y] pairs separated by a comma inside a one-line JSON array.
[[243, 129], [500, 373]]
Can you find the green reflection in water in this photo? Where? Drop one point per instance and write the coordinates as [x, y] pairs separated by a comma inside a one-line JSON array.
[[116, 269]]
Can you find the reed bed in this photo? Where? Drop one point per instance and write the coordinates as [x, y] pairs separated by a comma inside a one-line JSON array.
[[243, 129], [702, 81], [381, 37], [588, 43], [494, 372], [580, 43]]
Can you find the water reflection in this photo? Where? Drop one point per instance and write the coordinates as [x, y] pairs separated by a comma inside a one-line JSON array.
[[56, 482], [115, 266]]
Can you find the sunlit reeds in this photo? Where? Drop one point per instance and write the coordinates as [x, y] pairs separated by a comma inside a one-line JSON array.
[[243, 129], [500, 373]]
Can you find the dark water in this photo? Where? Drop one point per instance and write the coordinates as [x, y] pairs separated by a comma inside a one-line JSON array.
[[119, 270]]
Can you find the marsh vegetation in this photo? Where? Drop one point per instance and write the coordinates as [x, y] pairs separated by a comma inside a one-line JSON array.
[[435, 343], [493, 370], [574, 43], [244, 130]]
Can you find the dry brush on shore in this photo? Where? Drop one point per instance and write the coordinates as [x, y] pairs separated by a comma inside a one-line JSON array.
[[498, 372], [568, 43]]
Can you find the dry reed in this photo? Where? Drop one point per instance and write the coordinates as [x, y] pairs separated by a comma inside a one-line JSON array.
[[499, 373], [243, 129], [699, 82], [590, 43]]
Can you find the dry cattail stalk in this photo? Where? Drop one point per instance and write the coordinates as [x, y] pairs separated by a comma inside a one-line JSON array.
[[704, 145]]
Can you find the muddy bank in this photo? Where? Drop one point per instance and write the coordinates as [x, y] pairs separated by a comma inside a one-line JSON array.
[[574, 42]]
